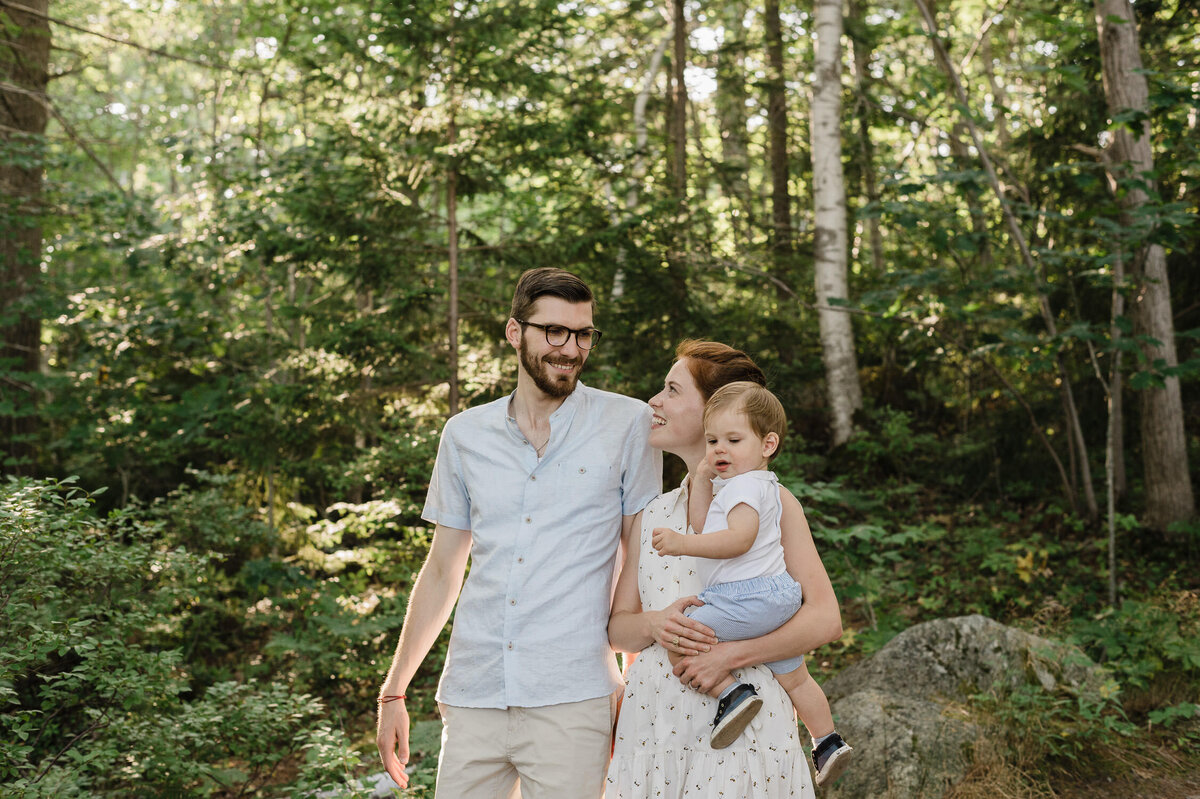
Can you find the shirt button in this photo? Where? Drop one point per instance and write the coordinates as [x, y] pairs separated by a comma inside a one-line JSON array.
[[510, 644], [512, 601], [582, 470], [533, 478], [528, 519], [520, 560]]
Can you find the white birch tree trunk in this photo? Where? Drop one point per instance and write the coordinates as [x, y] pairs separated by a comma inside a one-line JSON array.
[[829, 196], [1169, 494], [637, 172]]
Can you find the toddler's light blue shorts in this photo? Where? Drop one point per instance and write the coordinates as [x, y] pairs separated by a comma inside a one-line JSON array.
[[750, 608]]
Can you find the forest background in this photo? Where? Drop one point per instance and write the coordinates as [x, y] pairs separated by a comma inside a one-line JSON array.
[[255, 253]]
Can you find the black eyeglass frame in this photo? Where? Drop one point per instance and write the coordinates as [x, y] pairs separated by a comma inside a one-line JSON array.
[[595, 334]]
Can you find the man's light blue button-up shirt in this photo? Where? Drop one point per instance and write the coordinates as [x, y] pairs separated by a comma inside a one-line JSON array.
[[531, 626]]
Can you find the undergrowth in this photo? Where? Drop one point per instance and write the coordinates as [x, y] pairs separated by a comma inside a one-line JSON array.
[[186, 646]]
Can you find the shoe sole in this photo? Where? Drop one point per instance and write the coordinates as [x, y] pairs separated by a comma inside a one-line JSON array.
[[733, 724], [835, 765]]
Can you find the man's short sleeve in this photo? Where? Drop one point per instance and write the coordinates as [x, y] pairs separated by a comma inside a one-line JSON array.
[[448, 502], [641, 466]]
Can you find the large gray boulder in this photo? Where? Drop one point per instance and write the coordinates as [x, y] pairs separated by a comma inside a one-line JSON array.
[[905, 710]]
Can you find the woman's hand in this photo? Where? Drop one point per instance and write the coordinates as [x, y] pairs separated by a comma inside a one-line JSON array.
[[705, 671], [677, 633]]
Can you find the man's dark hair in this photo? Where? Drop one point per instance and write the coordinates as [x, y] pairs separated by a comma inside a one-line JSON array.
[[548, 281]]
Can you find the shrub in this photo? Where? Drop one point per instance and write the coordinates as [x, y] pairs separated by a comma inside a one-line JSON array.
[[96, 695]]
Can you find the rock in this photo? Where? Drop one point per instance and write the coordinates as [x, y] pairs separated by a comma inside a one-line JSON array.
[[904, 709], [959, 657], [916, 746], [382, 785]]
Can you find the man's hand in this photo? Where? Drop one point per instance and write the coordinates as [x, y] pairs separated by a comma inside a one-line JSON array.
[[391, 737], [667, 542]]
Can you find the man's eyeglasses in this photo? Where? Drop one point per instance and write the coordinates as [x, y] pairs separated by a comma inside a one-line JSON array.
[[557, 335]]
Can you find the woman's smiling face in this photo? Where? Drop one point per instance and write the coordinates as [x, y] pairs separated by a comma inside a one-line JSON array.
[[678, 423]]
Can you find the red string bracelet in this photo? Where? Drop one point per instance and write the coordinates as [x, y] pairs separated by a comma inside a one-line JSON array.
[[383, 700]]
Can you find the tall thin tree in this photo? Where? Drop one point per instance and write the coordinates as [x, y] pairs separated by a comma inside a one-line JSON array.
[[452, 233], [679, 101], [24, 109], [730, 100], [777, 124], [829, 197], [1169, 495], [861, 51]]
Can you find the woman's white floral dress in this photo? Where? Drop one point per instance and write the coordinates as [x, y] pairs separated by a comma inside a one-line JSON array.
[[662, 749]]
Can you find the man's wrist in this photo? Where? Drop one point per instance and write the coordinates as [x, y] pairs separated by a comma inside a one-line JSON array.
[[384, 699], [393, 690]]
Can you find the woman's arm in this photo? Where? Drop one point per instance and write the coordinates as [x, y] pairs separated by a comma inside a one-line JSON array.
[[630, 629], [817, 622]]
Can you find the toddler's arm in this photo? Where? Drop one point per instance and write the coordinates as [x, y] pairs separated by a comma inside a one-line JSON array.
[[720, 544]]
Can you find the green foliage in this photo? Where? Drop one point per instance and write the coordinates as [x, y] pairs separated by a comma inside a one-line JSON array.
[[1065, 726], [96, 690], [1143, 641]]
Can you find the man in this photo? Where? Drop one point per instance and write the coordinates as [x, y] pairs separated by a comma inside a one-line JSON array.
[[538, 489]]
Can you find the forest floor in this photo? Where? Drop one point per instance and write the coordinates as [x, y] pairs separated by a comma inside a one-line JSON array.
[[1146, 785], [1165, 774], [1141, 772], [1160, 773]]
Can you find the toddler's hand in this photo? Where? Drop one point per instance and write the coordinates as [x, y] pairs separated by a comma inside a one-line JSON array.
[[667, 542]]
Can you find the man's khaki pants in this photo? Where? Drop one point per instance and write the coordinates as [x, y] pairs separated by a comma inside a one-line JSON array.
[[552, 752]]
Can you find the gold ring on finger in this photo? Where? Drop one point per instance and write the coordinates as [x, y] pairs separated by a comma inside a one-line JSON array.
[[676, 643]]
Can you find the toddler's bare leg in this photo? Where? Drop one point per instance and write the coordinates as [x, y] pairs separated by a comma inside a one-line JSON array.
[[809, 700]]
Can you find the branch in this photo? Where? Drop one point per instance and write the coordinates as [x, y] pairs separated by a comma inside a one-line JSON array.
[[126, 42], [987, 26], [88, 150], [95, 725]]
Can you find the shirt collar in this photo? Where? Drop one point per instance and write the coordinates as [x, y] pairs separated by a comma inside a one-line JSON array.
[[560, 420]]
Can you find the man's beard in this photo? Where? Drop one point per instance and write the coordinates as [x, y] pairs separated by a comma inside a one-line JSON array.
[[552, 384]]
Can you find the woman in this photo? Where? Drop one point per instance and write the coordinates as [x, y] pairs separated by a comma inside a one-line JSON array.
[[662, 738]]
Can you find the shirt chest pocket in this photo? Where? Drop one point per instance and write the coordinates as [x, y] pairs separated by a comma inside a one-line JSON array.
[[579, 477]]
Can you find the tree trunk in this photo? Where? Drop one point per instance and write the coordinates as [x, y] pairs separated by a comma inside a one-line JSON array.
[[979, 228], [24, 109], [641, 133], [730, 101], [1169, 496], [637, 173], [781, 206], [1114, 450], [452, 236], [679, 101], [677, 267], [358, 491], [829, 196], [862, 61], [452, 254]]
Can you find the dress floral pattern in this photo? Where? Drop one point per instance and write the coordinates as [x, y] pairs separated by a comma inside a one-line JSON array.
[[662, 749]]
